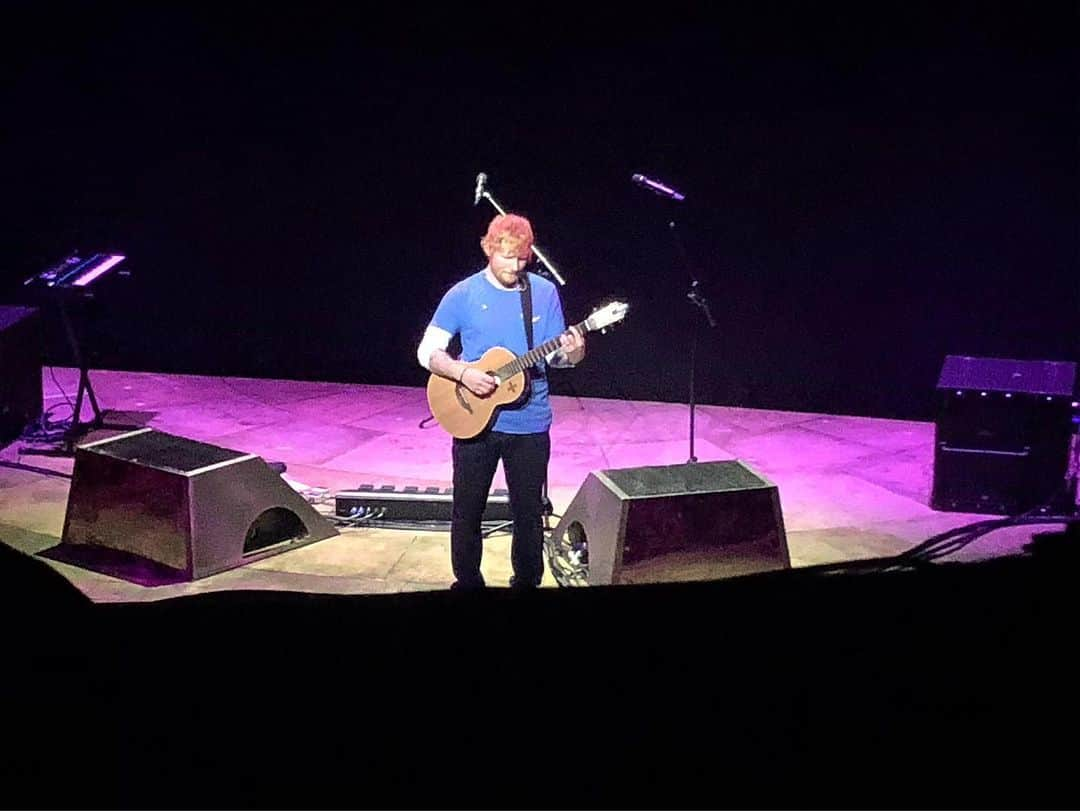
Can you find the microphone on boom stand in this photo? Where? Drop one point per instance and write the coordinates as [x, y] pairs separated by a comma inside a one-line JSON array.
[[482, 192], [656, 187]]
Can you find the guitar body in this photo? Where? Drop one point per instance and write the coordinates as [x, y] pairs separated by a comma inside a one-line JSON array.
[[462, 413]]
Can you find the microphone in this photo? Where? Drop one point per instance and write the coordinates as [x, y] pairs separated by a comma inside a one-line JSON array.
[[481, 179], [657, 187]]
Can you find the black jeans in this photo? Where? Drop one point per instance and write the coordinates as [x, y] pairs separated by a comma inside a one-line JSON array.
[[525, 460]]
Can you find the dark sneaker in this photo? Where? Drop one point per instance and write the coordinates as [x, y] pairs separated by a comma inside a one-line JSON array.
[[467, 585], [517, 583]]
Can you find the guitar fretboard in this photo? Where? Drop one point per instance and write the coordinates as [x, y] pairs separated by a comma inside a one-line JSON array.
[[532, 357]]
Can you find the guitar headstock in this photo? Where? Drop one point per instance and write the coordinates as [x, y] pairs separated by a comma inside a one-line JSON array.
[[607, 315]]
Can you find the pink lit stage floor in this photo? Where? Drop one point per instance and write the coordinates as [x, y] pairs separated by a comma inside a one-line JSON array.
[[850, 487]]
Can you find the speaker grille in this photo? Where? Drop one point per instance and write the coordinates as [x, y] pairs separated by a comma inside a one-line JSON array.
[[670, 480], [166, 451]]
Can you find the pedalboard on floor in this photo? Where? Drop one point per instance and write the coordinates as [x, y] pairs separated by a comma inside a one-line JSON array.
[[388, 503]]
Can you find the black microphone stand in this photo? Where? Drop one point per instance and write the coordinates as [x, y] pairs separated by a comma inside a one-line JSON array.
[[702, 303], [485, 194]]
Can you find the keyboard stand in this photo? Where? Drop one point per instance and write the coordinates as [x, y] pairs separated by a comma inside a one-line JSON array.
[[78, 429]]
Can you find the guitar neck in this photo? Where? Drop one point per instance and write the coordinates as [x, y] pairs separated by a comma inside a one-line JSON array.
[[533, 356]]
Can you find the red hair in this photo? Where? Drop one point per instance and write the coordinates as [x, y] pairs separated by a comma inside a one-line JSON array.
[[511, 233]]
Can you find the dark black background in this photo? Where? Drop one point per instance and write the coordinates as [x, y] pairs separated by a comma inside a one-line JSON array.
[[868, 189]]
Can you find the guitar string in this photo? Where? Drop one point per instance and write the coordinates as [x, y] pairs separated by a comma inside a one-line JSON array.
[[531, 357]]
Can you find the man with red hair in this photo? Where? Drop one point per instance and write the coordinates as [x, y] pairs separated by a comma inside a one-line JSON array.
[[486, 310]]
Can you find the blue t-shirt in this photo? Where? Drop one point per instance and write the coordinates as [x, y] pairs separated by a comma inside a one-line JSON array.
[[486, 315]]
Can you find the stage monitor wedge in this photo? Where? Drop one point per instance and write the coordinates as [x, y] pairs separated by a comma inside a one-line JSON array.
[[669, 523], [195, 508]]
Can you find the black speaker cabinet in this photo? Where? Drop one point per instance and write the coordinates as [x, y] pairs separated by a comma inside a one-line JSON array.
[[193, 507], [20, 370], [1002, 435], [696, 521]]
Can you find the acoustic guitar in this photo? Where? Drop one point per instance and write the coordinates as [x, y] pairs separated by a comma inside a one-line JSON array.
[[464, 415]]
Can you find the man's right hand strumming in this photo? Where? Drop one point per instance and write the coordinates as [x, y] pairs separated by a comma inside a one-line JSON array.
[[479, 383]]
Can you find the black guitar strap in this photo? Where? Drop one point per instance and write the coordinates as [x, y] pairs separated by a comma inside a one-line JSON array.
[[526, 308], [527, 317]]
